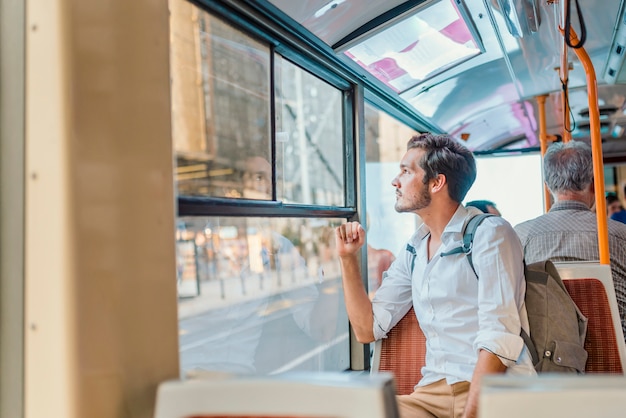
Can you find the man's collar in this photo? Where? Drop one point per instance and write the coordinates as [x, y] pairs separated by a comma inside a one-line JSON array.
[[455, 224], [457, 221], [569, 205]]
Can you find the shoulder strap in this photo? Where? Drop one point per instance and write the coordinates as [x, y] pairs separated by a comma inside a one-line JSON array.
[[468, 239], [411, 250]]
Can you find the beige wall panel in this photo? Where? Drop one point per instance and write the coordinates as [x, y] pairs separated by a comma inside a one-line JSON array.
[[113, 168], [50, 349], [128, 326]]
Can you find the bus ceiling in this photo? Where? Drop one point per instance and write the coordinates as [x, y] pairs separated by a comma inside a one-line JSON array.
[[473, 68]]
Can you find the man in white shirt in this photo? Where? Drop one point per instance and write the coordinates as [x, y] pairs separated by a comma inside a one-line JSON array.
[[472, 326]]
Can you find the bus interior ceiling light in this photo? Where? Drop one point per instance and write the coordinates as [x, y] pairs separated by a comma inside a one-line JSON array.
[[329, 6]]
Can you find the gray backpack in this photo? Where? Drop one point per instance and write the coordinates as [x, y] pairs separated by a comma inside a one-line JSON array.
[[557, 327]]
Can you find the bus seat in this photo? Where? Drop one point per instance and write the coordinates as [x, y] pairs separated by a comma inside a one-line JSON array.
[[590, 285], [402, 353], [297, 395], [556, 394]]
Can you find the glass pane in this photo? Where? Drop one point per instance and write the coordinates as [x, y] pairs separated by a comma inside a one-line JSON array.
[[523, 174], [418, 47], [220, 107], [260, 295], [387, 230], [309, 138]]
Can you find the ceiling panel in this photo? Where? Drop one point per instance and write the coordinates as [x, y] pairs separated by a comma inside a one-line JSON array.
[[489, 96], [333, 20]]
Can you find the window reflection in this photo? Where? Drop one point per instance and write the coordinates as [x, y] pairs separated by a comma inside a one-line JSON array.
[[221, 118], [220, 103], [256, 295], [257, 178], [260, 295], [309, 138]]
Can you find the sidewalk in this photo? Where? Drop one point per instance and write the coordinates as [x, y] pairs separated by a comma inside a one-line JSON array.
[[219, 293]]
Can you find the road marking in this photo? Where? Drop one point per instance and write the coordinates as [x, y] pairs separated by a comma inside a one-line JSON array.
[[227, 333], [309, 355]]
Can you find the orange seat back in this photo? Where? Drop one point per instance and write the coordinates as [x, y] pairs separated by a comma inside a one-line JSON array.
[[601, 343], [403, 353]]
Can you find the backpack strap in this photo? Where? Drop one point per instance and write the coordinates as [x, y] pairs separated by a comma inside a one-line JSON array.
[[468, 239], [411, 249], [532, 350]]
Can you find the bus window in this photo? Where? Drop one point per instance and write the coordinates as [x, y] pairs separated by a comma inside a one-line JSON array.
[[269, 296]]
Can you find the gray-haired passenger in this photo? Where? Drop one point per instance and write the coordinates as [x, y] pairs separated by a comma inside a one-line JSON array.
[[569, 232]]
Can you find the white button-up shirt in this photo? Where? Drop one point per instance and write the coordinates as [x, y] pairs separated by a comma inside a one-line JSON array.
[[458, 313]]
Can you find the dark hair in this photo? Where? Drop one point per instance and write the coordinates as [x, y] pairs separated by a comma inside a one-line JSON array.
[[568, 167], [481, 204], [611, 198], [444, 155]]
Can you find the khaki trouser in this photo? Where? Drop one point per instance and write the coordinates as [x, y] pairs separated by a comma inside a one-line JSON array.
[[435, 400]]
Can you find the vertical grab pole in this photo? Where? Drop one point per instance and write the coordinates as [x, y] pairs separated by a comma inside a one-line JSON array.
[[543, 142], [564, 76], [596, 147]]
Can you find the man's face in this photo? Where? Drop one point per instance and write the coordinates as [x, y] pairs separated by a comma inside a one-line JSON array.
[[613, 207], [257, 178], [411, 192], [493, 210]]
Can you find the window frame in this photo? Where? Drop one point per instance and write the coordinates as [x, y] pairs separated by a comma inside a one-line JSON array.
[[265, 23], [223, 206]]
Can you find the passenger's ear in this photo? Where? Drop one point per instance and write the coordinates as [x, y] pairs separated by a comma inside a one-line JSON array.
[[438, 183], [592, 194]]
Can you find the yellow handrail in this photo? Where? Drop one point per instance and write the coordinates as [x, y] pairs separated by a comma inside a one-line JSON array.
[[596, 148], [543, 143]]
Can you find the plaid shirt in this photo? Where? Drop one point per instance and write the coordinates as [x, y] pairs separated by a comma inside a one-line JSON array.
[[569, 232]]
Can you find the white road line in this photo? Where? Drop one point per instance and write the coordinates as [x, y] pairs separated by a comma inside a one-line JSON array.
[[227, 333], [309, 355]]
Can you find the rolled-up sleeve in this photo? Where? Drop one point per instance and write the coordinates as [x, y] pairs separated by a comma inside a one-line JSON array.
[[393, 298], [498, 260]]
